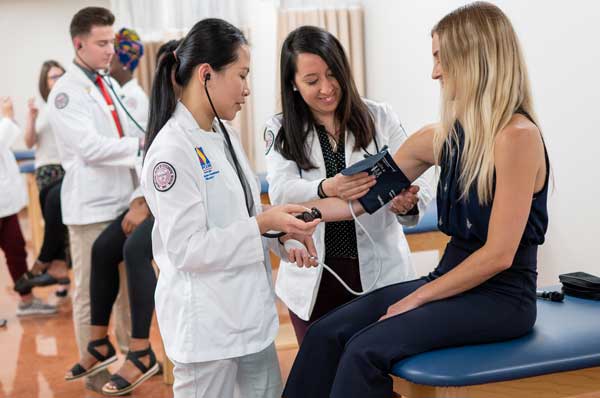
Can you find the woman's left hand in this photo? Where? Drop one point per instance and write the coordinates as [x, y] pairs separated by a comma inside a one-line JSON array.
[[405, 200], [138, 212], [408, 303]]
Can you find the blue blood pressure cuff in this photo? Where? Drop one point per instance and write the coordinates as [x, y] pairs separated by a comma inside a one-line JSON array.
[[390, 179]]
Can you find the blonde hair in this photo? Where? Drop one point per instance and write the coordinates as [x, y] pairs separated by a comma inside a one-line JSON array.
[[485, 83]]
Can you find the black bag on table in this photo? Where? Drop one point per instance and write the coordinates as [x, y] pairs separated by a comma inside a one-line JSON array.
[[581, 284]]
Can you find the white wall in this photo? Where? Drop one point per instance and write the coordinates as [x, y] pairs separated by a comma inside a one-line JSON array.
[[557, 40], [263, 34], [560, 45], [32, 31]]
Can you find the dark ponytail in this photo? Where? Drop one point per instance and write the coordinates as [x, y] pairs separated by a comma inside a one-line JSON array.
[[212, 41], [162, 98]]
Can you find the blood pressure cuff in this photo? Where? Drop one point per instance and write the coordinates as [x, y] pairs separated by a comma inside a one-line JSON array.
[[581, 284], [390, 179]]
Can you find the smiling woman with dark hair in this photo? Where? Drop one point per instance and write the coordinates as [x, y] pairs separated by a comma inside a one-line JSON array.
[[326, 126]]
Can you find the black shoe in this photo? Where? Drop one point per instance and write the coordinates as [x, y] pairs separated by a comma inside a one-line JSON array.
[[79, 371], [28, 280], [125, 387]]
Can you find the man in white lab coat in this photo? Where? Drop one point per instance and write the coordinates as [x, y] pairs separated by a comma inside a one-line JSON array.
[[99, 149]]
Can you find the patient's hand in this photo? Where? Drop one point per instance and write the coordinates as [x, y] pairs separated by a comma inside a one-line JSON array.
[[408, 303], [405, 200], [303, 257]]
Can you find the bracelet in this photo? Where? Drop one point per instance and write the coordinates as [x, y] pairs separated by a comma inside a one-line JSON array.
[[279, 240], [320, 191]]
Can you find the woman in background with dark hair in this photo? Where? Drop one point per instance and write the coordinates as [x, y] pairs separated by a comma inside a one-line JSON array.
[[214, 301], [51, 264], [325, 127]]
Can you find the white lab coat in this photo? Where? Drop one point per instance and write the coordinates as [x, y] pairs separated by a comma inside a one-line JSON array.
[[136, 101], [298, 287], [98, 181], [13, 195], [214, 297], [46, 151], [134, 98]]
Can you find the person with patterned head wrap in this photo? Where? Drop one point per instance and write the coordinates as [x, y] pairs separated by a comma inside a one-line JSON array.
[[129, 48], [128, 51]]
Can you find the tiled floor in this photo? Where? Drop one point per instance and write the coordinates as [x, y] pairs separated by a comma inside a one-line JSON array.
[[36, 352]]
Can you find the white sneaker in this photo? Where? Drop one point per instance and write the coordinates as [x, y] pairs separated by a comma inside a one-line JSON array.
[[36, 307]]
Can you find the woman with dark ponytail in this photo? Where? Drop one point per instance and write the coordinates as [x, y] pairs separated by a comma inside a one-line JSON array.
[[125, 240], [214, 300]]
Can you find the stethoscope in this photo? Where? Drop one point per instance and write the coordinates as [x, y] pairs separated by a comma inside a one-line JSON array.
[[117, 97], [366, 153], [105, 75], [238, 168]]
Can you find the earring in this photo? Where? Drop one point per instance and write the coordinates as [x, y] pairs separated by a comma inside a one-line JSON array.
[[294, 88]]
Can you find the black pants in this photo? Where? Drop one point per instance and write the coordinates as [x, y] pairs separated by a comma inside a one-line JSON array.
[[55, 232], [109, 249], [331, 293], [348, 353]]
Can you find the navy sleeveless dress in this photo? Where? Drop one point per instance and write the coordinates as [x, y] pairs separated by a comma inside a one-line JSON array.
[[349, 352], [466, 221]]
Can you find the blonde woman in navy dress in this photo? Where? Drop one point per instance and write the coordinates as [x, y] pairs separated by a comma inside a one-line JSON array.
[[491, 200]]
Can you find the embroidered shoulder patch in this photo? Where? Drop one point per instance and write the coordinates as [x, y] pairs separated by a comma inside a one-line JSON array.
[[269, 140], [164, 176], [61, 100]]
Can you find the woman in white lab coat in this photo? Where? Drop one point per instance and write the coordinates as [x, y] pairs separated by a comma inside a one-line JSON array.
[[325, 126], [214, 300], [50, 266], [13, 197]]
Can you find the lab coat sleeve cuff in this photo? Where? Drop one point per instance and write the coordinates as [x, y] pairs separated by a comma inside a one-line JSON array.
[[297, 191], [408, 220], [312, 191], [136, 194]]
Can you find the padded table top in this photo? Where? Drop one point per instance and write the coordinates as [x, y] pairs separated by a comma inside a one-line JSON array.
[[27, 167], [24, 155], [566, 336]]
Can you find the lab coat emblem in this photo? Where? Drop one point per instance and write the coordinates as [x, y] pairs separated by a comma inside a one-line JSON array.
[[164, 176], [61, 100], [207, 168], [269, 140]]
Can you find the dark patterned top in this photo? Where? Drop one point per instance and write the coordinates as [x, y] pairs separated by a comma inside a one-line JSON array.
[[340, 237], [465, 218]]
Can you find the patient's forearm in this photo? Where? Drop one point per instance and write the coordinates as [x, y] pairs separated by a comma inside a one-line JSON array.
[[335, 209]]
